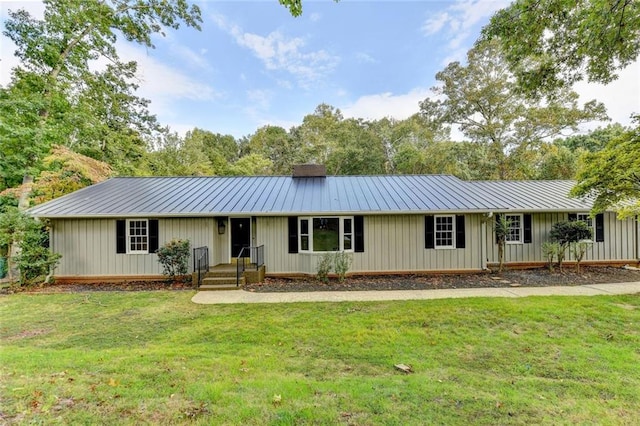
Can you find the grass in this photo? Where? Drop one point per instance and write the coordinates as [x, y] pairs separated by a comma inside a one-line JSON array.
[[156, 358]]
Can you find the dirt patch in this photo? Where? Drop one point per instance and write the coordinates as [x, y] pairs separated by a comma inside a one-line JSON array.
[[511, 278]]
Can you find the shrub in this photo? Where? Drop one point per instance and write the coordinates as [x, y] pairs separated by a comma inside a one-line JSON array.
[[567, 232], [550, 251], [342, 263], [579, 249], [324, 267], [27, 240], [174, 257]]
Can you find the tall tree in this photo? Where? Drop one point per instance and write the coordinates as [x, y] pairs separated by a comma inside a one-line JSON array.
[[550, 44], [276, 145], [60, 96], [612, 175], [483, 100]]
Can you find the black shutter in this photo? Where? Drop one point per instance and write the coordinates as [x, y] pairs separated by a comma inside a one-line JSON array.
[[460, 243], [527, 228], [121, 236], [498, 216], [573, 217], [429, 232], [153, 235], [358, 230], [599, 227], [293, 234]]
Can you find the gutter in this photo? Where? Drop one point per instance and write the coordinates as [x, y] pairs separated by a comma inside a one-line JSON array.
[[298, 213]]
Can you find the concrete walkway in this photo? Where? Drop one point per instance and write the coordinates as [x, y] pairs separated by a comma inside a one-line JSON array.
[[241, 296]]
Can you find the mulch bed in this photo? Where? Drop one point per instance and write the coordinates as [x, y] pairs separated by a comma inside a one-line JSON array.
[[511, 278], [508, 278]]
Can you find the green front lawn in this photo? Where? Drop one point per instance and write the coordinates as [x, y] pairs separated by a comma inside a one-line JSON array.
[[156, 358]]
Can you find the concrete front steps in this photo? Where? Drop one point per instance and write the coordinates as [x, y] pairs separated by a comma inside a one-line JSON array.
[[223, 277]]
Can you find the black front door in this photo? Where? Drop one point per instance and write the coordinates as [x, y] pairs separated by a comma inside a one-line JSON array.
[[240, 236]]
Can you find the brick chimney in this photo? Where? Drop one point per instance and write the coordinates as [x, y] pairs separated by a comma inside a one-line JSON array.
[[309, 170]]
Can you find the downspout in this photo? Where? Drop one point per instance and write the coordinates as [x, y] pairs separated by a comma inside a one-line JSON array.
[[483, 241], [47, 280], [638, 238]]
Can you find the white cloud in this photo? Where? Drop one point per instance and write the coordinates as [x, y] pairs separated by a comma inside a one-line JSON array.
[[380, 105], [621, 97], [365, 58], [159, 79], [434, 24], [260, 99], [281, 53], [460, 19], [315, 17]]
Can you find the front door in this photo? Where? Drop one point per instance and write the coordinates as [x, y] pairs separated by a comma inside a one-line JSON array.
[[240, 236]]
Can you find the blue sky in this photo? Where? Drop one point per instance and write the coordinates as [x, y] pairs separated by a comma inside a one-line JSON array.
[[253, 64]]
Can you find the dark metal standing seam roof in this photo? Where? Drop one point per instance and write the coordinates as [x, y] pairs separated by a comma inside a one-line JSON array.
[[284, 195]]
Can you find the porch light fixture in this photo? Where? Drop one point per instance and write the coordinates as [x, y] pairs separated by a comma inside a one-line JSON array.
[[221, 226]]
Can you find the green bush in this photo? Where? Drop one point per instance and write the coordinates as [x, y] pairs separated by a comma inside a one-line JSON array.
[[174, 257], [549, 252], [324, 267], [567, 232], [31, 238], [341, 264]]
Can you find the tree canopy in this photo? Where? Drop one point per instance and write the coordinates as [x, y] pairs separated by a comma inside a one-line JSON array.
[[612, 174], [550, 44], [484, 101]]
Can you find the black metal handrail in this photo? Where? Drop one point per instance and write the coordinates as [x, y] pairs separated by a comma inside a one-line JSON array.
[[256, 253], [200, 262]]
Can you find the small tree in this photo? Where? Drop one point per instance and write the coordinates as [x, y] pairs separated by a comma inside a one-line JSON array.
[[579, 249], [565, 233], [174, 257], [341, 264], [501, 228]]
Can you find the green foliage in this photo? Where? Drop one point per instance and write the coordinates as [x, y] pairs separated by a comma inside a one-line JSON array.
[[549, 251], [174, 257], [58, 96], [26, 241], [565, 233], [501, 229], [341, 264], [482, 99], [612, 175], [579, 250], [324, 267], [550, 44]]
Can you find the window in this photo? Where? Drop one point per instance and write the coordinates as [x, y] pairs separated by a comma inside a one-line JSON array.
[[444, 231], [137, 236], [326, 234], [586, 218], [515, 228], [347, 235], [304, 234]]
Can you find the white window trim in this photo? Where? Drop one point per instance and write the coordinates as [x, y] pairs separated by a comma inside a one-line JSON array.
[[340, 236], [586, 218], [453, 232], [129, 251], [521, 233]]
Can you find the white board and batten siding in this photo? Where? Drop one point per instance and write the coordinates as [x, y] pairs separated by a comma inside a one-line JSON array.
[[620, 241], [392, 243], [88, 246]]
